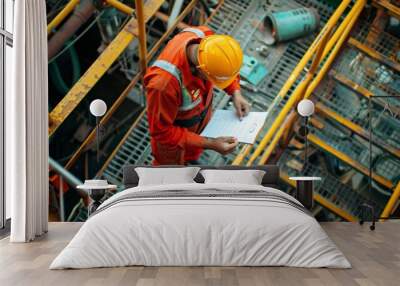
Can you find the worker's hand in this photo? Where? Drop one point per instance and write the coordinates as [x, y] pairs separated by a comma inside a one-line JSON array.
[[242, 106], [223, 145]]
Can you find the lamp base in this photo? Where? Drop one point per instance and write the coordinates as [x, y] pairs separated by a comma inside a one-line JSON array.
[[95, 195]]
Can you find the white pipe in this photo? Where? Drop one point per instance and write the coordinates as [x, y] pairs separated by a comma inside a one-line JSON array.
[[175, 12]]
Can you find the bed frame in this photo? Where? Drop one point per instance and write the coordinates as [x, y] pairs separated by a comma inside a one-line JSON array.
[[270, 179]]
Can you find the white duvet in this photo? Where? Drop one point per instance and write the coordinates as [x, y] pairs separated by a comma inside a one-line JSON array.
[[192, 231]]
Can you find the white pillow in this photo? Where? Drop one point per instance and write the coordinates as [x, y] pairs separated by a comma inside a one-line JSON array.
[[164, 176], [248, 177]]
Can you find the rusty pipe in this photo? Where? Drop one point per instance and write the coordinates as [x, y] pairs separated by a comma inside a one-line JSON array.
[[62, 15], [81, 14]]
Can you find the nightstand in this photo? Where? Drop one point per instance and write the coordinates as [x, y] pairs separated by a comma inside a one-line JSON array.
[[305, 188], [96, 190]]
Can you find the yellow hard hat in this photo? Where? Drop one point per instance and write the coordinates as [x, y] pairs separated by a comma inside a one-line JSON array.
[[220, 58]]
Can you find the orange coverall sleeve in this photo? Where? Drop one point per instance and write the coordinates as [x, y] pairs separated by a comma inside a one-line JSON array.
[[162, 109], [235, 85]]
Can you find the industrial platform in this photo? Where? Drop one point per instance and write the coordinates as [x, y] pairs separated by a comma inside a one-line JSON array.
[[354, 85]]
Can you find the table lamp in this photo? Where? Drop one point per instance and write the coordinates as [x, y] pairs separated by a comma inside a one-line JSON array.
[[98, 108], [96, 188], [305, 108]]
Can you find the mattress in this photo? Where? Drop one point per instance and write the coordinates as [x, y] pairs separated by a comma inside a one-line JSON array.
[[201, 225]]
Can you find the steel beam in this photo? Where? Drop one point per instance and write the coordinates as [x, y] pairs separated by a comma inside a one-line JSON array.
[[350, 84], [78, 92], [355, 87], [391, 8], [348, 160], [374, 54]]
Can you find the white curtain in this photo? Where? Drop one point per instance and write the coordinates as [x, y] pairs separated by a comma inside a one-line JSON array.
[[27, 124]]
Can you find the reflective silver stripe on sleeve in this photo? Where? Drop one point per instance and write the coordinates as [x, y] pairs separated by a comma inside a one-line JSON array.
[[198, 32], [168, 67], [190, 106]]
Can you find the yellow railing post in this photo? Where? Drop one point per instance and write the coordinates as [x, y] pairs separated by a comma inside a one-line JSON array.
[[62, 15], [268, 151], [387, 211], [142, 35]]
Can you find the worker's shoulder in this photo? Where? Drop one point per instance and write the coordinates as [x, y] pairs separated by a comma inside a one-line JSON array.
[[205, 29], [159, 79]]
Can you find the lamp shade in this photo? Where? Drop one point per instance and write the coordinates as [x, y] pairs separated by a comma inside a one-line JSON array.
[[98, 107], [305, 108]]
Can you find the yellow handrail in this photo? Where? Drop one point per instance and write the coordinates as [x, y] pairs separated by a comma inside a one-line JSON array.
[[121, 7], [305, 87], [387, 211], [142, 35], [268, 151], [62, 15]]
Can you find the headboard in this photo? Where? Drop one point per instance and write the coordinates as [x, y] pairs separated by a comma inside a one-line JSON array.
[[270, 179]]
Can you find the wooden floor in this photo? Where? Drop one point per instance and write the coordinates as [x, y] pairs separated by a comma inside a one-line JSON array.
[[375, 257]]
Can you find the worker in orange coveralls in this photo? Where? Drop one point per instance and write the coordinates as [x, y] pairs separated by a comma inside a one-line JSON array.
[[179, 90]]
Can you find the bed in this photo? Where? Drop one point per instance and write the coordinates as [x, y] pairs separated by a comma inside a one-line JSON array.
[[198, 224]]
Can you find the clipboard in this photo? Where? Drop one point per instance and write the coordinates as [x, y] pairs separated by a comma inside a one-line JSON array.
[[227, 123]]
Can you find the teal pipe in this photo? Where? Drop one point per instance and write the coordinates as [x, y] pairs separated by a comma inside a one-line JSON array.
[[67, 176], [291, 24]]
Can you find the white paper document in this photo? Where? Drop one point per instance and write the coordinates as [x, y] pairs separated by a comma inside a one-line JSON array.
[[226, 123]]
